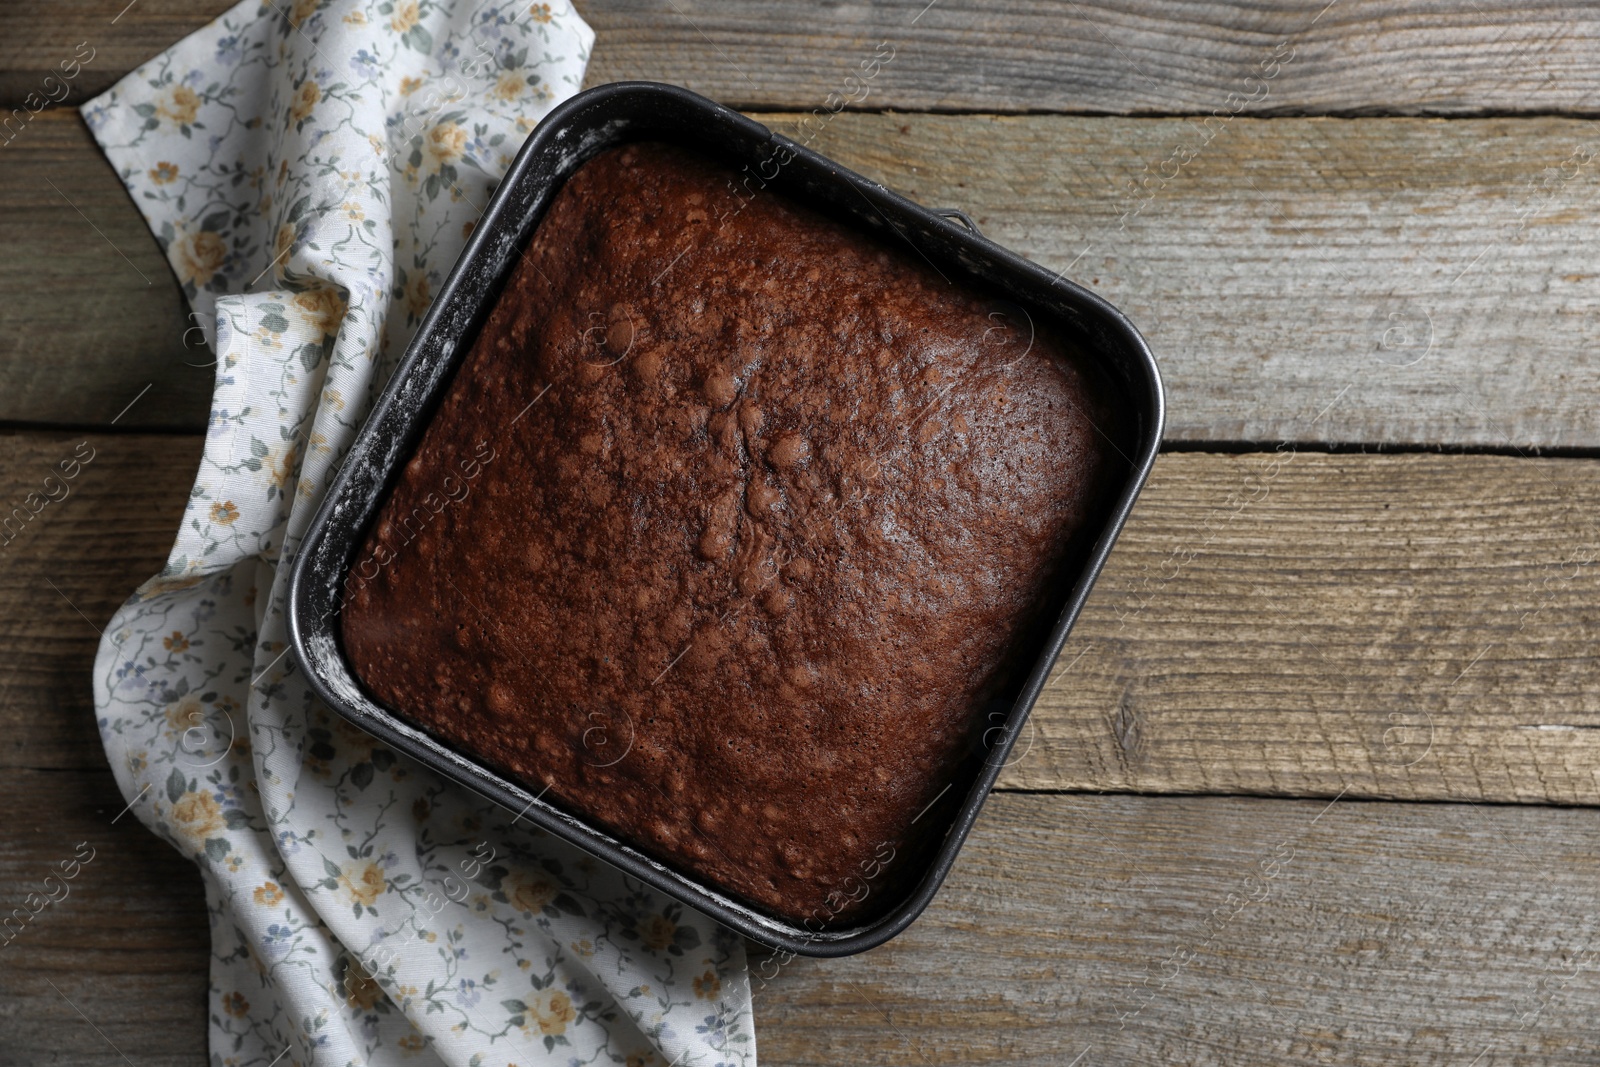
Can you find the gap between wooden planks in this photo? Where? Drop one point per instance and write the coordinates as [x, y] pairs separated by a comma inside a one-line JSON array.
[[128, 946], [1197, 930], [1209, 931], [1416, 627], [1381, 968], [1404, 282], [1401, 282], [1165, 56]]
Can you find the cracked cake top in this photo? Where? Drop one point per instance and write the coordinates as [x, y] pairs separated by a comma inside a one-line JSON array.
[[724, 529]]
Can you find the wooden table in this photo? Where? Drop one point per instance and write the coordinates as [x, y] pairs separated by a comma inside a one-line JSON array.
[[1346, 644]]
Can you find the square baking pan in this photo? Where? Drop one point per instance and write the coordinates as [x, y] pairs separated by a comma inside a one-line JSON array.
[[571, 135]]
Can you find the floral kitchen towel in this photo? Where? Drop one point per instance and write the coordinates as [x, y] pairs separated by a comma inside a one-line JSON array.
[[313, 168]]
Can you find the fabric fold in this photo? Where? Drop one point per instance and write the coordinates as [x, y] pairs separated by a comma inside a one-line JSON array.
[[313, 169]]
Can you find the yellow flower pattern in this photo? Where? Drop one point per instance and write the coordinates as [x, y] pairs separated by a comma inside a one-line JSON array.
[[417, 294], [552, 1011], [281, 245], [187, 712], [532, 893], [708, 986], [305, 98], [198, 817], [659, 932], [312, 169], [406, 15], [179, 106], [510, 86], [364, 882], [197, 257], [362, 991], [324, 307], [446, 144]]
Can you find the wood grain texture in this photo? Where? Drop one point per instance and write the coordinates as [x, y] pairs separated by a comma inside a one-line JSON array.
[[36, 37], [93, 314], [1411, 626], [1416, 627], [1400, 282], [1129, 930], [1366, 932], [1166, 56], [67, 569], [1096, 56], [128, 946]]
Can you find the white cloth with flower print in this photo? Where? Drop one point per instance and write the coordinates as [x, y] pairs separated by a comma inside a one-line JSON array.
[[312, 168]]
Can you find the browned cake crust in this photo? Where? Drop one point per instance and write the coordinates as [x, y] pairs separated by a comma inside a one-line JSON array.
[[723, 530]]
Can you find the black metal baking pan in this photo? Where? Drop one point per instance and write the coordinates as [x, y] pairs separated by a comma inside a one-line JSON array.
[[572, 134]]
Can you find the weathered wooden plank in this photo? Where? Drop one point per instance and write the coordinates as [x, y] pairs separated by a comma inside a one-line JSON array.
[[1165, 56], [64, 572], [1159, 56], [1411, 626], [1388, 281], [115, 35], [1115, 930], [1143, 930], [1418, 627], [94, 313], [127, 945], [1312, 280]]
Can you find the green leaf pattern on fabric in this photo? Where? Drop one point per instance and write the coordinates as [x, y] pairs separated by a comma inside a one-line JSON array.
[[312, 169]]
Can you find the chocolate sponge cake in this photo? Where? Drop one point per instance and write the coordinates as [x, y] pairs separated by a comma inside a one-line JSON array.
[[724, 529]]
